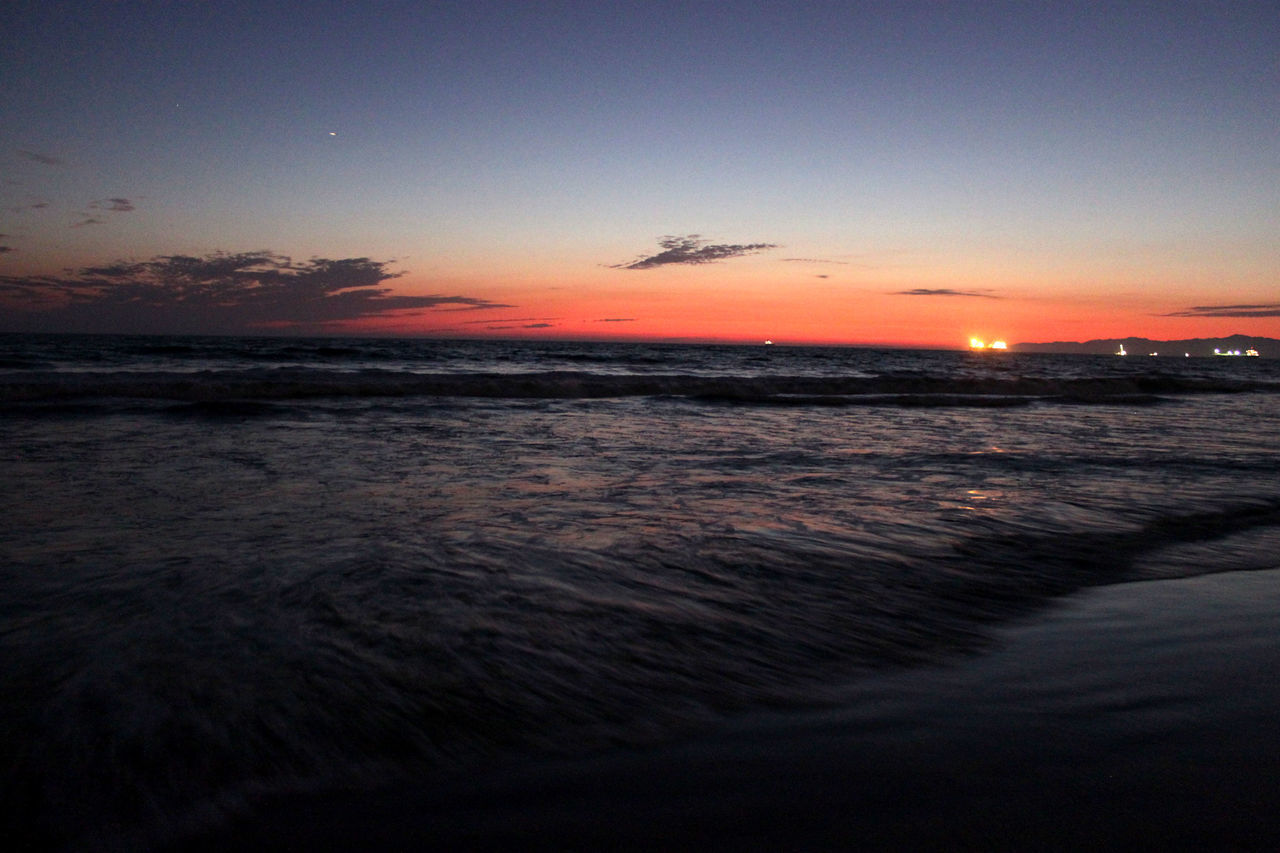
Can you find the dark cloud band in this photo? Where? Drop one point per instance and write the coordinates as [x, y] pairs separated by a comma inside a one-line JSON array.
[[218, 293]]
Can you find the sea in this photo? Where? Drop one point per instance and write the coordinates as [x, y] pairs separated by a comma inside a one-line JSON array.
[[235, 569]]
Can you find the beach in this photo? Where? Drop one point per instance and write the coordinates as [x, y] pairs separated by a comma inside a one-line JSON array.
[[1133, 716]]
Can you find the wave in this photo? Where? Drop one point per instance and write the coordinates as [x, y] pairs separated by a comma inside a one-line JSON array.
[[615, 649], [886, 390]]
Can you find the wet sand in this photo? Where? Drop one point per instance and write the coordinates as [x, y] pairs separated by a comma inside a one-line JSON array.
[[1139, 715]]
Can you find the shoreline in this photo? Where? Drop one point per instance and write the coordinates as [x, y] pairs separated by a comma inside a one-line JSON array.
[[1132, 714]]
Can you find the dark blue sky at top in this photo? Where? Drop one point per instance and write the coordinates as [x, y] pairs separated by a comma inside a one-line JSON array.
[[124, 63]]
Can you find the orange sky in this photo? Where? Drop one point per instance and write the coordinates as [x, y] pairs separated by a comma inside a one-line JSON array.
[[750, 299]]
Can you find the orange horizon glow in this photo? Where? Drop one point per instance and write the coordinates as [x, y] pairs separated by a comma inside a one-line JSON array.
[[641, 332], [686, 305], [936, 305]]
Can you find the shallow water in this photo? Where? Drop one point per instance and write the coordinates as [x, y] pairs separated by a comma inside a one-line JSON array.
[[287, 570]]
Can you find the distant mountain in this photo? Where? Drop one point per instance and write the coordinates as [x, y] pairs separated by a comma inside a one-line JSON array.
[[1266, 347]]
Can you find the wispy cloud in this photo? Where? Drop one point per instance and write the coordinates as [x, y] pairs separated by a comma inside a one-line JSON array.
[[944, 291], [108, 205], [507, 319], [617, 320], [217, 293], [116, 205], [1265, 309], [525, 326], [810, 261], [39, 158], [466, 303], [692, 249]]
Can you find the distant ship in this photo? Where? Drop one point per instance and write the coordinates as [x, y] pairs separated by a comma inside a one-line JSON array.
[[1235, 352], [1121, 350]]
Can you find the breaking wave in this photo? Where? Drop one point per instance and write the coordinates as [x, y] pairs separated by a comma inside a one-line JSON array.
[[887, 390]]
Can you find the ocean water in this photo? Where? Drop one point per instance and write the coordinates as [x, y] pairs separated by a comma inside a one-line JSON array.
[[234, 568]]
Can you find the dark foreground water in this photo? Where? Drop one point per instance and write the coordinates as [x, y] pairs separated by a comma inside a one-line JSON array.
[[237, 569], [1135, 716]]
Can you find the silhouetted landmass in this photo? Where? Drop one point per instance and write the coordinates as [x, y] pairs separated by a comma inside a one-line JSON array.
[[1266, 347]]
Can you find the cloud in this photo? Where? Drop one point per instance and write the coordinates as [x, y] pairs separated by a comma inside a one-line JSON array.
[[219, 293], [943, 291], [117, 205], [527, 326], [5, 250], [507, 319], [469, 304], [692, 249], [1266, 309], [40, 158], [617, 320], [110, 205], [822, 276]]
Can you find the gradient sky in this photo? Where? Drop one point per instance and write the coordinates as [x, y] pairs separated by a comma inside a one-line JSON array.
[[895, 173]]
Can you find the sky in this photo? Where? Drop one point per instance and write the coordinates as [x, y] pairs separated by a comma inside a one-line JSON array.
[[887, 173]]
